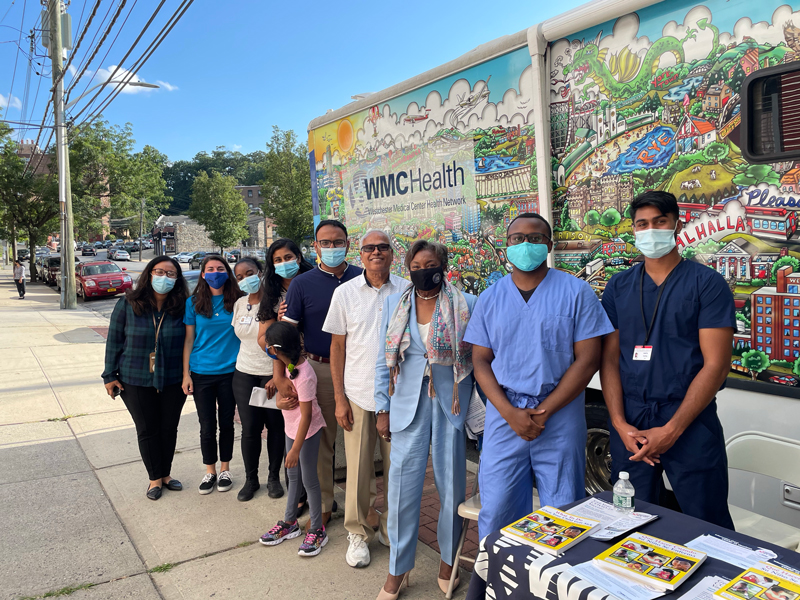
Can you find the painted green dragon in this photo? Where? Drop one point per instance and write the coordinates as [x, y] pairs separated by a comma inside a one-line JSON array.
[[590, 62]]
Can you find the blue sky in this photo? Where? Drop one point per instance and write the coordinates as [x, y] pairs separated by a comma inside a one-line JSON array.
[[236, 68]]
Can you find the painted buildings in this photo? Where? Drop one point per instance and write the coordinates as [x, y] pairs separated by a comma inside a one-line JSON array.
[[790, 182], [775, 311], [778, 223], [615, 245], [716, 97], [742, 261], [471, 216], [694, 133], [571, 252]]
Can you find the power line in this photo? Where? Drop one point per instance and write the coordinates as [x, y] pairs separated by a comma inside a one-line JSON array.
[[16, 60], [82, 66], [120, 6], [28, 124]]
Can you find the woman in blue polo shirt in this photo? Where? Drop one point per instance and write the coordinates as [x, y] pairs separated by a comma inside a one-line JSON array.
[[209, 361]]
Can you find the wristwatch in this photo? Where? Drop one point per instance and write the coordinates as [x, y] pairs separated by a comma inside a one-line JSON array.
[[382, 412]]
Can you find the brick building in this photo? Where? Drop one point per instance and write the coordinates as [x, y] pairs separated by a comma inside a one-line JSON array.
[[775, 327]]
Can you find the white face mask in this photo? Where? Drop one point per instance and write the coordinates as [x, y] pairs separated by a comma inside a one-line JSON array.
[[655, 243]]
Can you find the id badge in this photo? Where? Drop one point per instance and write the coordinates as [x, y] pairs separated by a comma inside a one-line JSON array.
[[152, 362], [245, 320], [642, 352]]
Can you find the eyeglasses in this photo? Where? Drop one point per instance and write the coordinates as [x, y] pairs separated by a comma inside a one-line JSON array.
[[370, 248], [332, 243], [162, 272], [531, 238]]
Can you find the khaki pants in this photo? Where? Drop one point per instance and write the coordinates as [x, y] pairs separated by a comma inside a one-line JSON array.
[[361, 490], [327, 405]]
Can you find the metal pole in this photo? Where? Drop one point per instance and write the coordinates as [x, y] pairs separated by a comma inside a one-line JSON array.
[[141, 228], [68, 299]]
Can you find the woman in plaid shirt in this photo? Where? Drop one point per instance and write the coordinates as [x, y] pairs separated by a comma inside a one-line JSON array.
[[147, 372]]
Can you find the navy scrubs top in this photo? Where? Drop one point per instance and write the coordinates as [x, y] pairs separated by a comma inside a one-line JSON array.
[[695, 297]]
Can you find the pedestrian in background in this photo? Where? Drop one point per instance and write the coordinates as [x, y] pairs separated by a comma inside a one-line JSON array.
[[254, 370], [304, 425], [144, 364], [354, 322], [19, 278], [423, 385], [209, 361]]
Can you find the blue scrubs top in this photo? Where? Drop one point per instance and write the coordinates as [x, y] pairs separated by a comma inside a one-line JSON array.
[[532, 342], [695, 297], [216, 346]]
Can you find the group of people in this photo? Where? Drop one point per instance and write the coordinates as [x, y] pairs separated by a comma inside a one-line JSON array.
[[394, 363]]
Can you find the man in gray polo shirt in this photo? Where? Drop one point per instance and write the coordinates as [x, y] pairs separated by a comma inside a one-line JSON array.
[[354, 320]]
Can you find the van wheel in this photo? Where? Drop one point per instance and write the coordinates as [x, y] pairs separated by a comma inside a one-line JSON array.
[[598, 449]]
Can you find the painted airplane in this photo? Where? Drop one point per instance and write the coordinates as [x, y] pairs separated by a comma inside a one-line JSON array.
[[414, 119], [475, 97]]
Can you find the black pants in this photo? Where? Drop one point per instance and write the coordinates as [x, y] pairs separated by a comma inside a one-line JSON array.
[[254, 418], [156, 416], [20, 287], [213, 394]]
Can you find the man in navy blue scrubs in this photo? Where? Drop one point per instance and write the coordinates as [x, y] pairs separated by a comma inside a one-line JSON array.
[[662, 367]]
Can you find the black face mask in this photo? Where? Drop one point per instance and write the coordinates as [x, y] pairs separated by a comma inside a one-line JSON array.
[[427, 279]]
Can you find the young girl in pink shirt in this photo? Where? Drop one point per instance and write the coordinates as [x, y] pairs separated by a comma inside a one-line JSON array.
[[302, 425]]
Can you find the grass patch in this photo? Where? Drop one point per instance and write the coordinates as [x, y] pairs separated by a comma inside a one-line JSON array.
[[245, 544], [64, 418], [65, 591], [161, 568]]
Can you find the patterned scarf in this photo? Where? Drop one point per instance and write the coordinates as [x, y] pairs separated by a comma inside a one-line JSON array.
[[445, 344]]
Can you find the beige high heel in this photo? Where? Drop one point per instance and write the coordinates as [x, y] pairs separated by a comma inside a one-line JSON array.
[[384, 595], [445, 583]]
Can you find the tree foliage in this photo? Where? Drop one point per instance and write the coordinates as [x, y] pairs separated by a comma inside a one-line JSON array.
[[782, 262], [610, 217], [286, 186], [217, 206], [755, 360], [755, 174], [592, 217], [716, 151]]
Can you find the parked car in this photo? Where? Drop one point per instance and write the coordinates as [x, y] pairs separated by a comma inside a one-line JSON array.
[[120, 254], [147, 245], [191, 279], [132, 247], [183, 257], [108, 244], [784, 380], [101, 278], [23, 254], [88, 250], [52, 269], [197, 258], [98, 244]]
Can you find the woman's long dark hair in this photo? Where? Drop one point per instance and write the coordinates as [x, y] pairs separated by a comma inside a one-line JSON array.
[[272, 284], [202, 293], [287, 338], [143, 300]]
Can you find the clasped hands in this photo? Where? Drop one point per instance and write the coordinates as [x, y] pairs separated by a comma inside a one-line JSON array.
[[649, 444]]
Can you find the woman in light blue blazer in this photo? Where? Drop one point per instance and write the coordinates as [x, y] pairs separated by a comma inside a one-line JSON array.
[[423, 384]]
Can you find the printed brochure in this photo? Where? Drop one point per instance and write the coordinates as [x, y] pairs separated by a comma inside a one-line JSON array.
[[763, 581], [551, 530]]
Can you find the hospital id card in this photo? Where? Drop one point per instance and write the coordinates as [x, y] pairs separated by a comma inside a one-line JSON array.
[[642, 352], [245, 320]]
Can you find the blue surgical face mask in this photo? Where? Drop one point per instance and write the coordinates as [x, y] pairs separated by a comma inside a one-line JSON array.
[[271, 355], [655, 243], [163, 284], [333, 257], [216, 280], [287, 270], [527, 256], [250, 285]]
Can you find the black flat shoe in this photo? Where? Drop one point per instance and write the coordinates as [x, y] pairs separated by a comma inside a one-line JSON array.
[[174, 485], [274, 488], [154, 493], [248, 491]]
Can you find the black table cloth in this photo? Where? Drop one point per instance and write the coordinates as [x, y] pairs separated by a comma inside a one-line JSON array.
[[507, 569]]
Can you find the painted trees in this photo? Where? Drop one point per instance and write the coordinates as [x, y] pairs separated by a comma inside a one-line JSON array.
[[757, 361]]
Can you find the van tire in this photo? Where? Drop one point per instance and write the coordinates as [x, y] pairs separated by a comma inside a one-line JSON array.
[[598, 449]]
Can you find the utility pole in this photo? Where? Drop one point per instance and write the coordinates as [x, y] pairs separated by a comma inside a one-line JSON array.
[[141, 228], [68, 299]]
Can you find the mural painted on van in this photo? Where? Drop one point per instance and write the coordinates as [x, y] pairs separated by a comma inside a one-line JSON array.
[[481, 116], [651, 101]]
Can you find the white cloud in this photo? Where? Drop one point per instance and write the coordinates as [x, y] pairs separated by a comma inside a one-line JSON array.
[[236, 147], [698, 47], [167, 86], [15, 102], [763, 31], [72, 70]]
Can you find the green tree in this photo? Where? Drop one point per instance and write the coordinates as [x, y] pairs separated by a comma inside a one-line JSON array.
[[287, 186], [689, 253], [796, 367], [591, 218], [755, 174], [737, 78], [755, 360], [696, 109], [716, 151], [782, 262], [610, 217], [218, 207]]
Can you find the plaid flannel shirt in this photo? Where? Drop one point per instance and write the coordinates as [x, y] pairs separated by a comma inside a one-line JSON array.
[[132, 338]]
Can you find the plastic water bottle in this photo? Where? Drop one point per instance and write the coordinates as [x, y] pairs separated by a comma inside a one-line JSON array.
[[624, 493]]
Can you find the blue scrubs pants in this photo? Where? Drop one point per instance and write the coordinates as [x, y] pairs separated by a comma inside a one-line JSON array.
[[508, 464], [430, 428], [696, 465]]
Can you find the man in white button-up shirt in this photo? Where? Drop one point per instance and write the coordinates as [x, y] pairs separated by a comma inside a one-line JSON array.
[[354, 321]]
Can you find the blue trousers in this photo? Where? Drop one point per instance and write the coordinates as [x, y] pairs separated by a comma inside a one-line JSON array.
[[508, 464], [430, 428], [697, 464]]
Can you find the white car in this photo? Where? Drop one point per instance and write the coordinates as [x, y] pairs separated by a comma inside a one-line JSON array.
[[183, 257], [121, 255]]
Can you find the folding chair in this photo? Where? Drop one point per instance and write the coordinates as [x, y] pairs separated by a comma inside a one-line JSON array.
[[469, 511]]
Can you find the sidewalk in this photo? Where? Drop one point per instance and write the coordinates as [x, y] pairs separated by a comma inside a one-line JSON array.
[[73, 490]]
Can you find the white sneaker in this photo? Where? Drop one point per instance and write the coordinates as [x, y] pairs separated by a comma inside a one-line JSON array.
[[358, 552], [225, 482], [383, 540]]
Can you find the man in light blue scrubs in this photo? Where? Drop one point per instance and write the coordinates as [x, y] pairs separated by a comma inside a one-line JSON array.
[[537, 337]]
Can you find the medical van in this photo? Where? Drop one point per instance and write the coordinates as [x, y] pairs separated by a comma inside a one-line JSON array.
[[572, 118]]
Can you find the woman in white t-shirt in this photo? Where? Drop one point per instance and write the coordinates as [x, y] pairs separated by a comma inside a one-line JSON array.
[[254, 370]]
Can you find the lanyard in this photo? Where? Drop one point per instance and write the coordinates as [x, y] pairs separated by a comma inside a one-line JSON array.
[[661, 289], [158, 329]]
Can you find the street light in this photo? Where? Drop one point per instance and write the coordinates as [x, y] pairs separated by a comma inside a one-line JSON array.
[[120, 83]]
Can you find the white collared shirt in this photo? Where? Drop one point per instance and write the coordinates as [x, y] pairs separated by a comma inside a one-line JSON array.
[[356, 311]]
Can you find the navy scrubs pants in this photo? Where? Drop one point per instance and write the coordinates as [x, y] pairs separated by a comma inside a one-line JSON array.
[[696, 465]]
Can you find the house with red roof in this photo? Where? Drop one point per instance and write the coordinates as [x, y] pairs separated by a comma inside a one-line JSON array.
[[790, 182], [694, 133]]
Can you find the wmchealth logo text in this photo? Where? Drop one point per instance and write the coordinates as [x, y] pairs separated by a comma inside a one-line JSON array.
[[404, 182]]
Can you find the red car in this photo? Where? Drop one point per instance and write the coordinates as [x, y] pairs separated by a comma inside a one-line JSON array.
[[101, 278]]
